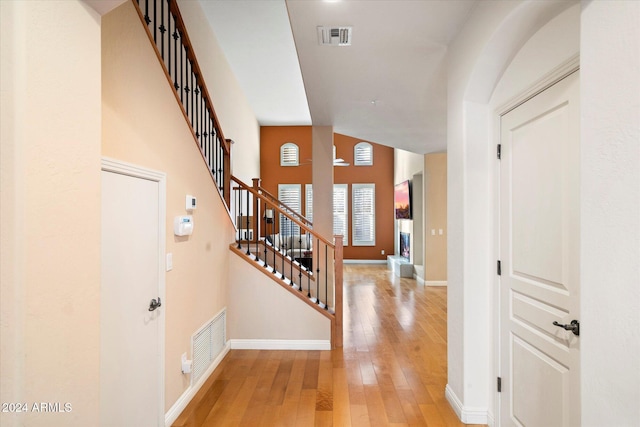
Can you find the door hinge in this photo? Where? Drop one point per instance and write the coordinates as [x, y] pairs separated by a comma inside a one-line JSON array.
[[499, 385], [499, 268], [499, 153]]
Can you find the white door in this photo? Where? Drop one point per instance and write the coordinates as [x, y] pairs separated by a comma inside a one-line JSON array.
[[130, 359], [539, 245]]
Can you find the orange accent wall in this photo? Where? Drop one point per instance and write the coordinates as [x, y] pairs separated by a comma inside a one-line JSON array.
[[380, 174]]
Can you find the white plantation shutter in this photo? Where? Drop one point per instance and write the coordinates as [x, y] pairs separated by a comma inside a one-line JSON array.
[[364, 214], [363, 154], [289, 154], [308, 207], [340, 211], [289, 194]]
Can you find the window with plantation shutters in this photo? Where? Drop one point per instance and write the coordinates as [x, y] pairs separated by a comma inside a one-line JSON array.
[[289, 154], [340, 211], [289, 194], [363, 154], [308, 207], [364, 214]]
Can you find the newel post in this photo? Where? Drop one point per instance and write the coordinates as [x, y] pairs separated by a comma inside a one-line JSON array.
[[337, 332], [256, 210]]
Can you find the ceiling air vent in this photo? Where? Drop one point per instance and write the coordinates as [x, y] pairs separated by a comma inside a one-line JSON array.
[[334, 36]]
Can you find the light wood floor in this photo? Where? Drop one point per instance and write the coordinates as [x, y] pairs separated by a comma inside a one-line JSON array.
[[392, 370]]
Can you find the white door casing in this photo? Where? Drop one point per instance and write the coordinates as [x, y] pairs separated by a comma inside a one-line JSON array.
[[132, 274], [539, 252]]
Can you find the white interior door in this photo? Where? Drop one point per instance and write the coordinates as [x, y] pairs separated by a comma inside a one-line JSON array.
[[130, 334], [539, 245]]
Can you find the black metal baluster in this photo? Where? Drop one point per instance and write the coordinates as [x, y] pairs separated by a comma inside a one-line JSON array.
[[155, 19], [213, 154], [265, 245], [206, 133], [207, 147], [146, 12], [247, 230], [169, 37], [291, 275], [185, 81], [201, 120], [217, 160], [318, 266], [239, 208], [162, 29], [193, 92], [216, 152], [220, 170], [196, 112], [326, 277], [210, 142], [258, 229], [283, 255], [318, 281], [300, 276], [175, 60], [181, 77]]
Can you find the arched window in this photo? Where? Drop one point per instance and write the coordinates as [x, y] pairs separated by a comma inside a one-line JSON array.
[[363, 154], [289, 154]]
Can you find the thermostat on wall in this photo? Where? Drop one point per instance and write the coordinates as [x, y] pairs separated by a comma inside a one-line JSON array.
[[190, 203], [183, 225]]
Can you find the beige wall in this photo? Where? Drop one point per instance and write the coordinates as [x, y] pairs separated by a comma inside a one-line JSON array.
[[435, 190], [232, 108], [261, 309], [50, 210], [406, 164], [142, 124], [431, 265]]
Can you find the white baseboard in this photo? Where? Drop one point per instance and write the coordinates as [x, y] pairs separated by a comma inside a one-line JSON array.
[[238, 344], [419, 279], [435, 283], [490, 420], [174, 412], [364, 261], [466, 415]]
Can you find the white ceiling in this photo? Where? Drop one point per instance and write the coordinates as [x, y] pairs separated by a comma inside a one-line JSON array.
[[388, 87]]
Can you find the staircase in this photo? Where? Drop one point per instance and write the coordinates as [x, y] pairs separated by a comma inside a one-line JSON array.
[[270, 236]]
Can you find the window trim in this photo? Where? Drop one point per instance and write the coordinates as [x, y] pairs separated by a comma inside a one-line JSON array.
[[284, 147], [355, 215], [295, 228], [346, 211], [362, 145], [308, 202]]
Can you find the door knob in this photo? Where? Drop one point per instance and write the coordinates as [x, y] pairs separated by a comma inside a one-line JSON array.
[[154, 304], [574, 326]]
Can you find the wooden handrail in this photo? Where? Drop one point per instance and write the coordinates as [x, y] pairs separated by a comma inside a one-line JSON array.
[[274, 198], [220, 169], [283, 212], [191, 55]]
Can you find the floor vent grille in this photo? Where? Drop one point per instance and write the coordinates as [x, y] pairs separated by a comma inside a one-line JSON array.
[[207, 343]]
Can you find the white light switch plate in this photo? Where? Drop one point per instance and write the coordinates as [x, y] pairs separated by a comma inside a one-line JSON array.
[[169, 263]]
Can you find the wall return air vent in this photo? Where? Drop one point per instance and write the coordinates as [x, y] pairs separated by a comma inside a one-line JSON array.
[[334, 36]]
